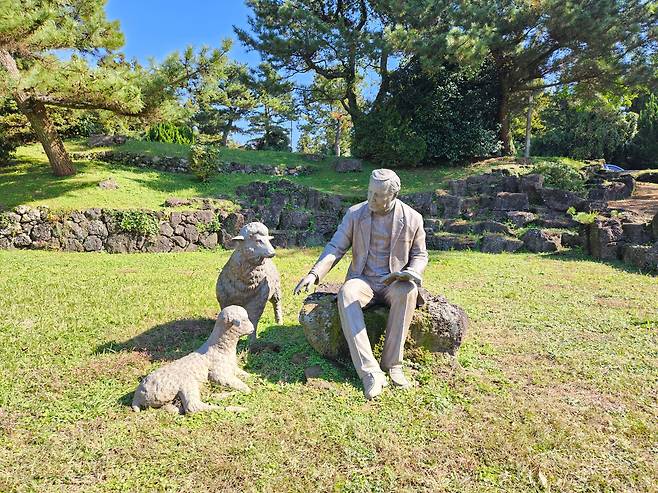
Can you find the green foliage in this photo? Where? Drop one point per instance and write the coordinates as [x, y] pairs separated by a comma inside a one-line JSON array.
[[138, 222], [203, 161], [14, 130], [454, 110], [585, 129], [387, 139], [560, 175], [643, 149], [582, 217], [274, 139], [170, 133], [214, 226]]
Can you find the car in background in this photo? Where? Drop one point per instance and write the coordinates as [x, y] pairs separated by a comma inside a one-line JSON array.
[[613, 167]]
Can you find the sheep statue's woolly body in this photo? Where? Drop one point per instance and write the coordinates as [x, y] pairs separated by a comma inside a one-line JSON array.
[[250, 278], [176, 387]]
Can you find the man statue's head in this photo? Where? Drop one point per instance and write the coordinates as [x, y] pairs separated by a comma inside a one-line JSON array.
[[383, 189]]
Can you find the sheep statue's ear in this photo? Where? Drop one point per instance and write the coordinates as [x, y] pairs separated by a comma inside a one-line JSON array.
[[237, 238]]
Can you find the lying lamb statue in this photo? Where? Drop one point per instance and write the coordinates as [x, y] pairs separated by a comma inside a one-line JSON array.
[[176, 386], [249, 278]]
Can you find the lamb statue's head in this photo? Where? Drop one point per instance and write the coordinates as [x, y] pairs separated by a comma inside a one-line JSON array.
[[254, 242], [232, 320]]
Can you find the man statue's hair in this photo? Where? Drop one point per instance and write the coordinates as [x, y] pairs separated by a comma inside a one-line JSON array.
[[387, 176]]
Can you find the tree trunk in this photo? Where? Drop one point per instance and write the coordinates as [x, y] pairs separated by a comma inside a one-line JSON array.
[[226, 133], [41, 124], [528, 128], [337, 138], [46, 132], [503, 119]]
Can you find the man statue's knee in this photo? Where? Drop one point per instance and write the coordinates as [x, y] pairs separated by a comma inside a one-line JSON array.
[[348, 293], [404, 289]]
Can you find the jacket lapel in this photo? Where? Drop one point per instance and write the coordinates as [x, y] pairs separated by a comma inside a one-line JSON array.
[[398, 224], [366, 223]]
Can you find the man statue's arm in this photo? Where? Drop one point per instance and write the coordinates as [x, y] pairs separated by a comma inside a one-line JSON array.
[[418, 256], [340, 242]]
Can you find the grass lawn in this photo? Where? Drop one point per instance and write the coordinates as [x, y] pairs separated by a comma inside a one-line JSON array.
[[556, 387], [30, 180]]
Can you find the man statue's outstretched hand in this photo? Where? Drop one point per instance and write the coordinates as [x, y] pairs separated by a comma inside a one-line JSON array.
[[401, 276], [305, 284]]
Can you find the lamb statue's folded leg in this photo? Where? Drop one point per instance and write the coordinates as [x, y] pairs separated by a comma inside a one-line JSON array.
[[190, 397], [229, 380], [240, 373]]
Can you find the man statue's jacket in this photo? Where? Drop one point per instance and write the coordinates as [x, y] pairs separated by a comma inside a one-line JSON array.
[[407, 249]]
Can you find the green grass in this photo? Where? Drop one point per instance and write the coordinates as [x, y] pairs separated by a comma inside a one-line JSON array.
[[557, 379], [30, 181]]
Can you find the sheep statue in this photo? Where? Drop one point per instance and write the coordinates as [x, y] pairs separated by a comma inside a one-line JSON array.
[[175, 387], [249, 278]]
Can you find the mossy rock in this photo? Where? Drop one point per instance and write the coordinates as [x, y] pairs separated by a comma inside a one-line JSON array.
[[437, 325]]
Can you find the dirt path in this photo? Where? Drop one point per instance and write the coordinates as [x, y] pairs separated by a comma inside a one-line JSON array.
[[644, 201]]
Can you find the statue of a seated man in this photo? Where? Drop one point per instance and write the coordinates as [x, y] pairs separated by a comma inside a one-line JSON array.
[[388, 259]]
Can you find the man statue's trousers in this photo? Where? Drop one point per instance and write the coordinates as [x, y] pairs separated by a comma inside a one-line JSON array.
[[357, 293]]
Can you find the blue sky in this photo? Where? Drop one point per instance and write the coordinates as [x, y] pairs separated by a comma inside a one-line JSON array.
[[153, 29], [156, 28]]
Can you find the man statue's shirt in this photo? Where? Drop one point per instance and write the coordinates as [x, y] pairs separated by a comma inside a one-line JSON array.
[[379, 251]]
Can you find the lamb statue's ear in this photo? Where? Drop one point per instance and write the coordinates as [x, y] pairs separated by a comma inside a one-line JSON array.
[[237, 238]]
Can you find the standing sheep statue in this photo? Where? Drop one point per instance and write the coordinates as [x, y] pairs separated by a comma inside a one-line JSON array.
[[176, 387], [249, 278]]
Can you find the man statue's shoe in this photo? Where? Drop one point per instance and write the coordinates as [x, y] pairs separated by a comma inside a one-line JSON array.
[[373, 384], [398, 378]]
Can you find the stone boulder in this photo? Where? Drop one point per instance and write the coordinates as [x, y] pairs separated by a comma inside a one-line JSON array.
[[520, 218], [562, 200], [604, 237], [348, 165], [654, 227], [109, 184], [506, 201], [538, 240], [643, 257], [103, 140], [496, 243], [437, 326]]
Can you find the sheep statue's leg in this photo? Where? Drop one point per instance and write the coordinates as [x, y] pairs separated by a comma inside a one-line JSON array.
[[240, 373], [277, 305], [190, 397], [254, 310], [138, 399]]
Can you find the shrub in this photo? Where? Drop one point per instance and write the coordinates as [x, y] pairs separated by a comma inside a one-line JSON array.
[[560, 175], [214, 226], [582, 217], [275, 139], [643, 150], [451, 110], [137, 222], [203, 161], [584, 129], [386, 139], [170, 133]]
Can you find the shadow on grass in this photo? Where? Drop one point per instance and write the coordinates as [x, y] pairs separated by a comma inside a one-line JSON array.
[[43, 184], [282, 353], [580, 256]]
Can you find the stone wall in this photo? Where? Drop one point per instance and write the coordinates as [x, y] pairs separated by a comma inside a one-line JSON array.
[[96, 230], [623, 238], [175, 164]]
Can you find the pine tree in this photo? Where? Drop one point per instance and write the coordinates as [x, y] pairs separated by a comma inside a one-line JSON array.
[[95, 76]]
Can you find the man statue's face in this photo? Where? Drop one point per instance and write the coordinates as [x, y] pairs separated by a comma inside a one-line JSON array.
[[381, 198]]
